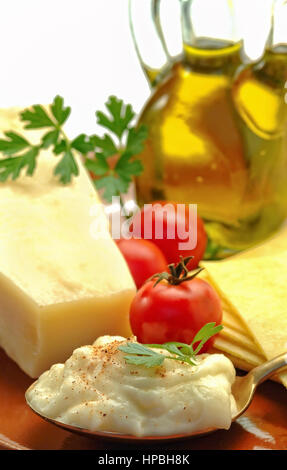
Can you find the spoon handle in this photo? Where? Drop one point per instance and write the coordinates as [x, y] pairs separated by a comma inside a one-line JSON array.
[[264, 371]]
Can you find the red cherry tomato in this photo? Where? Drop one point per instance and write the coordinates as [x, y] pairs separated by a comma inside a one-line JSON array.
[[171, 219], [165, 312], [143, 258]]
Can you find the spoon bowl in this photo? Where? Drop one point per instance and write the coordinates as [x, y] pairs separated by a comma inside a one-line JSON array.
[[243, 391]]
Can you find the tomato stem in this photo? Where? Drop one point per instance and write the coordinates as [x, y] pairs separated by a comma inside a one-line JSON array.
[[178, 273]]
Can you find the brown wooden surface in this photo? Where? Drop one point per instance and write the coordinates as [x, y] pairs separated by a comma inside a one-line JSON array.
[[263, 426]]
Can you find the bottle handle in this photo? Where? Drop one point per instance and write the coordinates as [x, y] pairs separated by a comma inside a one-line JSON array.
[[156, 56], [155, 8]]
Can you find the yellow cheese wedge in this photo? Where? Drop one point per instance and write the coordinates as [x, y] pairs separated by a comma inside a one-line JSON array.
[[231, 347], [63, 281], [232, 320], [237, 362], [234, 329], [255, 290], [243, 340]]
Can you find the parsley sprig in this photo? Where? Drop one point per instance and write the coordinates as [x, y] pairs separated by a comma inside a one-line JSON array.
[[22, 154], [126, 143], [123, 140], [139, 354]]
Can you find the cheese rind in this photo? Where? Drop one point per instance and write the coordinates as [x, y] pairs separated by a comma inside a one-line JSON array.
[[63, 281]]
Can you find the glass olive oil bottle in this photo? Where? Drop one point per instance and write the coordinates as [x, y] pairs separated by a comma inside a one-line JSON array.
[[258, 93], [217, 131]]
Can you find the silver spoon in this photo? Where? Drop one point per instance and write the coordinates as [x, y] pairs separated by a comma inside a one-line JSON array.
[[243, 391]]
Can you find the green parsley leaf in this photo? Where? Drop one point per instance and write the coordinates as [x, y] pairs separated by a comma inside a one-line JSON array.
[[136, 139], [36, 118], [126, 168], [29, 160], [67, 167], [139, 354], [98, 166], [120, 116], [83, 144], [183, 351], [180, 351], [112, 186], [137, 348], [203, 335], [106, 145], [60, 147], [50, 138], [14, 143], [12, 166], [9, 168], [147, 361], [59, 112], [171, 347]]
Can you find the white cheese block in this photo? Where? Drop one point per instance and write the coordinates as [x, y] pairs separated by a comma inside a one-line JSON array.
[[63, 281]]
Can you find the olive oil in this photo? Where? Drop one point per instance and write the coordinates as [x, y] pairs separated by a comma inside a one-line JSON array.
[[217, 138], [258, 93]]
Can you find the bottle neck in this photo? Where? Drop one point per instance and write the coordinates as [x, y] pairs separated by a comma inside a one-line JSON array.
[[210, 33], [213, 54], [278, 36]]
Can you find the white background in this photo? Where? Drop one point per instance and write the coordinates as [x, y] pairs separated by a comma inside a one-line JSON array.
[[82, 49]]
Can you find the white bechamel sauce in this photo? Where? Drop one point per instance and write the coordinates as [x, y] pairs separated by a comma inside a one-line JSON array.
[[95, 389]]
